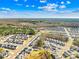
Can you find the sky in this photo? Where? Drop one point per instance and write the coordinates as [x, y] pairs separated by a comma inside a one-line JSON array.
[[39, 8]]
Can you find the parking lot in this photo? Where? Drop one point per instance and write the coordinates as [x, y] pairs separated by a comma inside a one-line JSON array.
[[74, 32], [12, 42], [17, 39]]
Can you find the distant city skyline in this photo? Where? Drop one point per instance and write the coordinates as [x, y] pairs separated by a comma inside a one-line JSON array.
[[39, 9]]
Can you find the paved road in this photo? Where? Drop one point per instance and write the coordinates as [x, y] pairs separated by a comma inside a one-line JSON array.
[[68, 44], [14, 53]]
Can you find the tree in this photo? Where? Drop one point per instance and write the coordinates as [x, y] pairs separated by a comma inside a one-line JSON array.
[[40, 54], [30, 32], [40, 43], [76, 42], [1, 57]]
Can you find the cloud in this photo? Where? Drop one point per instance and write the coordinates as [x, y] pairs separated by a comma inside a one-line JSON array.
[[25, 0], [33, 6], [76, 11], [27, 5], [62, 6], [6, 9], [68, 2], [43, 1], [52, 5], [62, 2], [65, 11], [3, 12], [16, 0], [49, 7], [19, 4], [38, 14]]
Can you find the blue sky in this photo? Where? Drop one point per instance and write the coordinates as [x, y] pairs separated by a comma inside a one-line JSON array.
[[39, 8]]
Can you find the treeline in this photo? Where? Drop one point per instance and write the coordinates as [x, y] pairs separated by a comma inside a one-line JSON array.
[[15, 30]]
